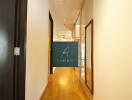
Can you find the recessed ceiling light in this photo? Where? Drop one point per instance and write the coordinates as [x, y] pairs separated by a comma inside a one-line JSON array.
[[64, 20], [60, 0]]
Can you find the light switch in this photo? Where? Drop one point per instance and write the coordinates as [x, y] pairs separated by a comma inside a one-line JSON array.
[[17, 51]]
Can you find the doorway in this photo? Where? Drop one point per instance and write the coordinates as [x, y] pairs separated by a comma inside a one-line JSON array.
[[51, 29]]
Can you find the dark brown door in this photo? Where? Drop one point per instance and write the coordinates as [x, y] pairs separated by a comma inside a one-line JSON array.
[[51, 41], [12, 33], [7, 33]]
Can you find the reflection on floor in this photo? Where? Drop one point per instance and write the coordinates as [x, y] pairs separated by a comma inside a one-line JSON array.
[[64, 85]]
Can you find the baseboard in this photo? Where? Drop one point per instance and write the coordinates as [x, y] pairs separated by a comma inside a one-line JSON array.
[[86, 90], [43, 92]]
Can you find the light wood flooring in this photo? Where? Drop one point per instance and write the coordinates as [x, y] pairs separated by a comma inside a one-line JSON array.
[[64, 85]]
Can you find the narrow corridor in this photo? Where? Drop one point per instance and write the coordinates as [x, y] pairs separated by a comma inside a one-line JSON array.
[[64, 85]]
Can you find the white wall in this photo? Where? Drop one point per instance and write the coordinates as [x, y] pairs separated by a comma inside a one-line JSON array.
[[87, 12], [113, 49], [87, 15], [37, 49]]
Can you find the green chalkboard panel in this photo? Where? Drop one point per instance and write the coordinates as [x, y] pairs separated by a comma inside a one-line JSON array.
[[65, 54]]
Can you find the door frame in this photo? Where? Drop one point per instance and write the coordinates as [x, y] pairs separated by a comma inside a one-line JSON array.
[[20, 41], [51, 42], [92, 56]]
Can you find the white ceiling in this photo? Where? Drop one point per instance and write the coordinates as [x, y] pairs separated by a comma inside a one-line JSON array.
[[65, 12]]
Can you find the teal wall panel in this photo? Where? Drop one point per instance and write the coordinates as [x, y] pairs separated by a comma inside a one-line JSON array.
[[65, 54]]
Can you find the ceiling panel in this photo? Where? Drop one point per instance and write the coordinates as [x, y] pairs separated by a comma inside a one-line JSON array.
[[65, 12]]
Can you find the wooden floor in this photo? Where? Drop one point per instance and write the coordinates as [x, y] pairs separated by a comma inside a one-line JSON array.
[[64, 85]]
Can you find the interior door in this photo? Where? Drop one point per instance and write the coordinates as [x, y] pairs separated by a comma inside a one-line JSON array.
[[13, 20], [7, 31], [7, 34]]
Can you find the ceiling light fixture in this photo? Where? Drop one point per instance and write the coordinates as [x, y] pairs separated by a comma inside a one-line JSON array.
[[64, 20]]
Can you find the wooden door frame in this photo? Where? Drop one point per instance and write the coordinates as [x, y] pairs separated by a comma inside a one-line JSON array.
[[20, 41], [92, 55], [51, 42]]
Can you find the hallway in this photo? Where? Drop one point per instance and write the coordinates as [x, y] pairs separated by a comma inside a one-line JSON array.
[[64, 85]]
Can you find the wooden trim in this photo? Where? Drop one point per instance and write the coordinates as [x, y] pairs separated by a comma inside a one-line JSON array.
[[92, 28], [85, 89], [51, 43], [44, 91], [92, 59]]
